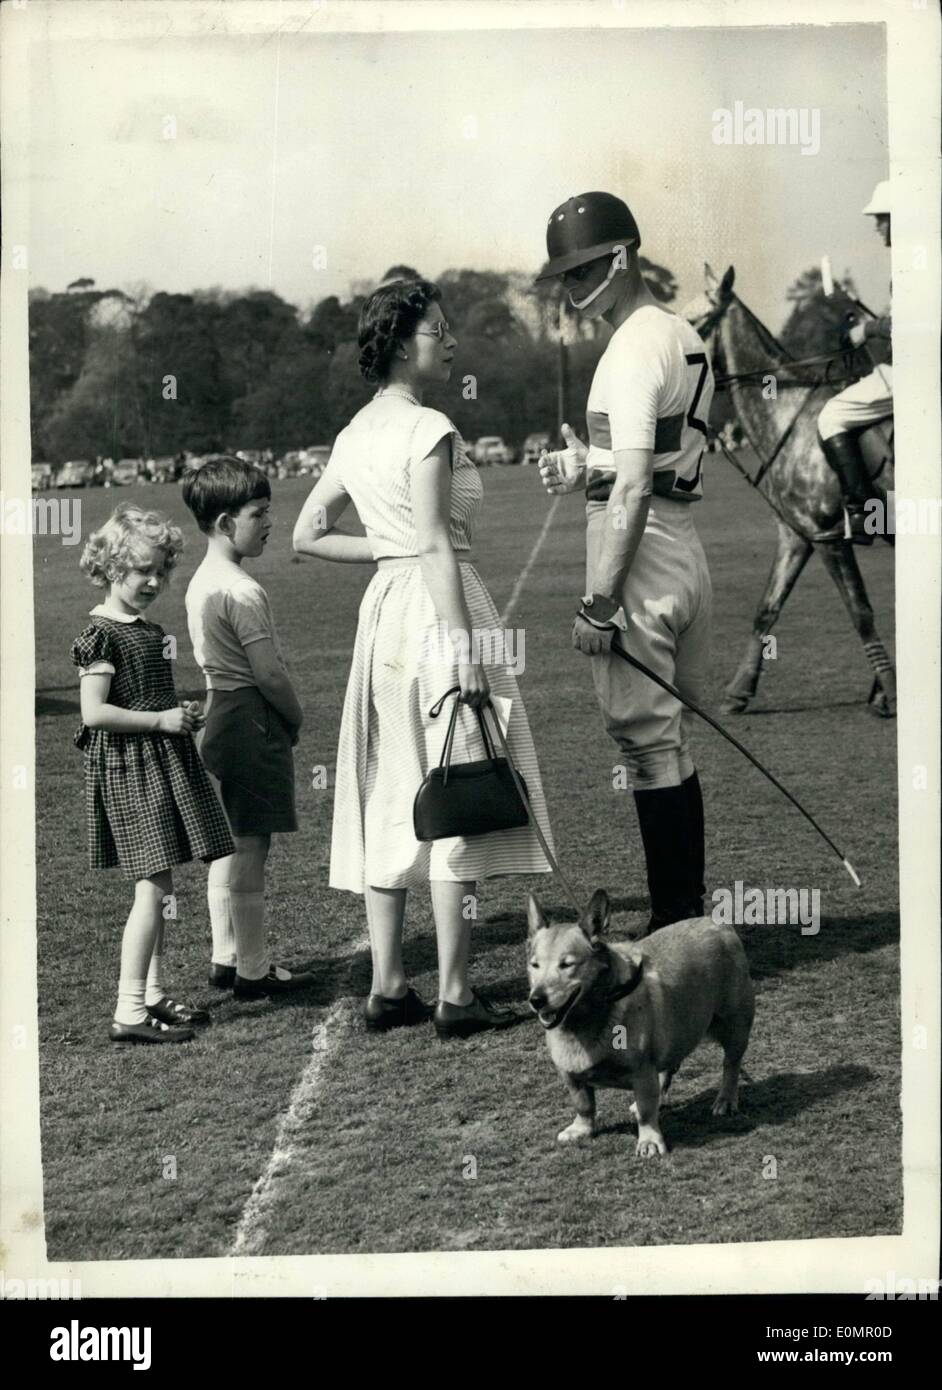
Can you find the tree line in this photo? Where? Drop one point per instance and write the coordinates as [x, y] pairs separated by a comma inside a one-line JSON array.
[[149, 374]]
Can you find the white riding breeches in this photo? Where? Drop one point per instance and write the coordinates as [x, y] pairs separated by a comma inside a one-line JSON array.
[[862, 403], [667, 599]]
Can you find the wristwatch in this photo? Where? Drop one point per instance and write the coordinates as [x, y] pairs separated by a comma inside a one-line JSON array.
[[603, 612]]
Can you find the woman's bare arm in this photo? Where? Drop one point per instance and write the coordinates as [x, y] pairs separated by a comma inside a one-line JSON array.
[[315, 532]]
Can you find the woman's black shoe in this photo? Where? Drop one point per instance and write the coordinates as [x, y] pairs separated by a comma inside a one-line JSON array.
[[461, 1020], [381, 1014]]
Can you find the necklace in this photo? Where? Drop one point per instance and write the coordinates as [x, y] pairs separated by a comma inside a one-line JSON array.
[[394, 390]]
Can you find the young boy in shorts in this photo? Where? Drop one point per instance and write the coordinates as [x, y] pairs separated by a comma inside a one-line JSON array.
[[252, 718]]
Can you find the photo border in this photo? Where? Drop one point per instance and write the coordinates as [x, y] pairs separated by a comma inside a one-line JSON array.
[[799, 1266]]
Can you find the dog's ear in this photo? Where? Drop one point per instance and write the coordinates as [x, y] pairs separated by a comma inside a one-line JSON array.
[[536, 919], [594, 921]]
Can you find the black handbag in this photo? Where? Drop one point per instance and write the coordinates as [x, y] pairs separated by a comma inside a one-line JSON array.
[[468, 798]]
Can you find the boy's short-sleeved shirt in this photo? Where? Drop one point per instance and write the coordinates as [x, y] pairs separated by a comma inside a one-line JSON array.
[[652, 389], [226, 610]]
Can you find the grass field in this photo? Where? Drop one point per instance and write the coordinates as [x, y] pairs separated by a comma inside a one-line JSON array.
[[375, 1152]]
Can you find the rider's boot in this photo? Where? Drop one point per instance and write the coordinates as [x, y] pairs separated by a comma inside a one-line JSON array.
[[843, 453], [673, 845]]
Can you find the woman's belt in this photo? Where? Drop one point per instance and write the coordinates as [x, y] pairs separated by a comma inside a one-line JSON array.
[[599, 486], [393, 561]]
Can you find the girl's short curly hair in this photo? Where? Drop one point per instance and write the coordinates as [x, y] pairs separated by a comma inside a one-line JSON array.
[[125, 540], [389, 318]]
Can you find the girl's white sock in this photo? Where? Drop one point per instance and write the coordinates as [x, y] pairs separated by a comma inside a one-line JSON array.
[[248, 923], [130, 1006], [153, 989], [143, 933], [220, 921]]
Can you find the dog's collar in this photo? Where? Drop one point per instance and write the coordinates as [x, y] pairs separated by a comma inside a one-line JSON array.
[[624, 990]]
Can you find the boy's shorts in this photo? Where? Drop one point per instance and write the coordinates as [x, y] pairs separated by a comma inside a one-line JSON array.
[[246, 746]]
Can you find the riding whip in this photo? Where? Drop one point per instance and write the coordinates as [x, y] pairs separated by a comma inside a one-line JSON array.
[[672, 690]]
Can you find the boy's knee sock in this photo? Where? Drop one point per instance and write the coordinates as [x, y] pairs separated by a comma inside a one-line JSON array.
[[248, 921], [153, 989], [220, 921]]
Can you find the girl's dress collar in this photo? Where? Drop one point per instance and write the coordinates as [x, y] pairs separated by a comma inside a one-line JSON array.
[[101, 610]]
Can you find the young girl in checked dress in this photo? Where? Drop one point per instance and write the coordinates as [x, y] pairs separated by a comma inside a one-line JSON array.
[[149, 803]]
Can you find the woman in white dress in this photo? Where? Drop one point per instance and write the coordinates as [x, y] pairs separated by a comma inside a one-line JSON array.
[[405, 469]]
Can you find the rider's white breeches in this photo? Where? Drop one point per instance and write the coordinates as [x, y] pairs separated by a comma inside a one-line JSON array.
[[667, 599], [862, 403]]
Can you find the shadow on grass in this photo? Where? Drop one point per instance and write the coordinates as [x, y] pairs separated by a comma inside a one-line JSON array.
[[773, 950], [776, 1100], [823, 707], [50, 706]]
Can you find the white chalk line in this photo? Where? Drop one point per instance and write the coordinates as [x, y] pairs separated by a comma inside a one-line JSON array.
[[251, 1232], [524, 574]]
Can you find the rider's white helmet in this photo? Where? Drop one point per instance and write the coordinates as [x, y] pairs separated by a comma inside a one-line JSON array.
[[879, 200]]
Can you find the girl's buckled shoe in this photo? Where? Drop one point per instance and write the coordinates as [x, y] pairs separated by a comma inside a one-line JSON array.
[[151, 1031], [168, 1010]]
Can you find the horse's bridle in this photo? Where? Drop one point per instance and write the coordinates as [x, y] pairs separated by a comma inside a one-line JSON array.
[[706, 326]]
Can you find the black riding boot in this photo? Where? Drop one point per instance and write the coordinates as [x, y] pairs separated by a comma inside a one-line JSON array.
[[697, 840], [842, 452], [673, 853]]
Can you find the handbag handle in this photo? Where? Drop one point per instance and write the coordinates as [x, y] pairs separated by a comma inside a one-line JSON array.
[[435, 711]]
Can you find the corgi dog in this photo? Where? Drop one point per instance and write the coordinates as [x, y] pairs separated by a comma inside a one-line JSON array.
[[627, 1014]]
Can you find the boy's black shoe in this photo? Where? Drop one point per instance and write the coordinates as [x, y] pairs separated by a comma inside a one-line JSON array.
[[222, 976], [381, 1013], [271, 984], [169, 1010], [151, 1031]]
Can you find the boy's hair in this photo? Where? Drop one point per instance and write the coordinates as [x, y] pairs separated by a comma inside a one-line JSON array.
[[223, 484], [123, 541]]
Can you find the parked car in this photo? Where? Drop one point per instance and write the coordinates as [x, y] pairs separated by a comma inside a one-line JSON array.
[[490, 448], [164, 469], [126, 472], [289, 465], [41, 476], [314, 460], [533, 444], [75, 473], [496, 451]]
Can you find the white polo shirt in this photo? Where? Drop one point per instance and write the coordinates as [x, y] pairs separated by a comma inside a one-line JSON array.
[[652, 389]]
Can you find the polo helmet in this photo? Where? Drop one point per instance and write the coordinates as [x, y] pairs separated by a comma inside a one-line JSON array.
[[584, 228]]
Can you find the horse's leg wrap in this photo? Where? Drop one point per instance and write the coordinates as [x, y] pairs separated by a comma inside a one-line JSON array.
[[879, 658]]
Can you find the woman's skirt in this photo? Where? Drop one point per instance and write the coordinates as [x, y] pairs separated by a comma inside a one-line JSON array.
[[403, 663]]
